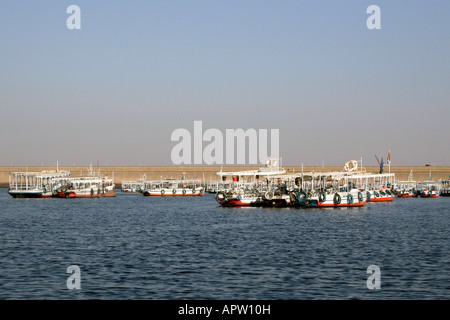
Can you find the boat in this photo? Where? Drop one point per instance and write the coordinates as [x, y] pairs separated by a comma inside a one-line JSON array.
[[445, 188], [430, 192], [379, 187], [80, 187], [429, 188], [251, 187], [259, 194], [182, 188], [216, 186], [332, 189], [408, 188], [382, 195], [36, 184], [352, 198], [331, 199], [233, 199], [108, 187], [134, 186], [352, 187], [408, 192], [93, 185], [87, 187], [375, 187]]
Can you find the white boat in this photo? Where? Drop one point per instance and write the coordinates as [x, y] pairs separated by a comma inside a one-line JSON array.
[[135, 186], [87, 187], [382, 195], [331, 190], [445, 188], [430, 188], [171, 188], [408, 188], [36, 184], [431, 192], [378, 187], [259, 194], [93, 185], [250, 187]]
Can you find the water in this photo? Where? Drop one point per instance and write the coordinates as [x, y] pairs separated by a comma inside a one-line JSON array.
[[135, 247]]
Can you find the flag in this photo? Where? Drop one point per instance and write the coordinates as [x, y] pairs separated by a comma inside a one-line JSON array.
[[389, 157]]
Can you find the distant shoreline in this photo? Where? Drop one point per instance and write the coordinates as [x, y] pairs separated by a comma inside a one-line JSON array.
[[208, 173]]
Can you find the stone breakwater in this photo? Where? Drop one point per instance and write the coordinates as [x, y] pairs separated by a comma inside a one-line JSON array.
[[208, 173]]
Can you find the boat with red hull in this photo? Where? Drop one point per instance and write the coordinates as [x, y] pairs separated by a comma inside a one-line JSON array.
[[429, 193], [92, 185], [382, 196], [407, 195], [87, 187], [430, 188]]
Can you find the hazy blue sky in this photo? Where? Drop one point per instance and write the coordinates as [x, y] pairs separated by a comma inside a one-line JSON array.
[[114, 91]]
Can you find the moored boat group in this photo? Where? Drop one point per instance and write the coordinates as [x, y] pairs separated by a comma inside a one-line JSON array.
[[269, 186], [59, 184]]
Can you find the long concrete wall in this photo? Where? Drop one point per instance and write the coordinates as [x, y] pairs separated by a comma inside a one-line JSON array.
[[208, 173]]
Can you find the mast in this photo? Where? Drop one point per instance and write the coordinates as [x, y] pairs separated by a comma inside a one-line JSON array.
[[410, 178], [302, 175]]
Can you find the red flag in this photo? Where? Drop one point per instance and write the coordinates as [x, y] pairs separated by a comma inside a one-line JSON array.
[[389, 157]]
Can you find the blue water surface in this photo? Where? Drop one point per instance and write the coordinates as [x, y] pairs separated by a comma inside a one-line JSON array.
[[135, 247]]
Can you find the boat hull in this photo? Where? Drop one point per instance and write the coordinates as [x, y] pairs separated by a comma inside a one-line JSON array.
[[379, 196], [79, 193], [406, 195], [382, 199], [47, 195], [24, 195], [285, 201], [253, 202], [82, 195], [336, 200], [238, 203], [156, 194], [173, 193], [333, 205], [109, 194], [429, 196]]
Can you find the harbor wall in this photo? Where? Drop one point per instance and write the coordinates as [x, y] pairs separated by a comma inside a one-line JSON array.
[[208, 173]]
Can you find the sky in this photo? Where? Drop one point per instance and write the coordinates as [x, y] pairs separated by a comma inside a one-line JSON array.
[[112, 92]]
